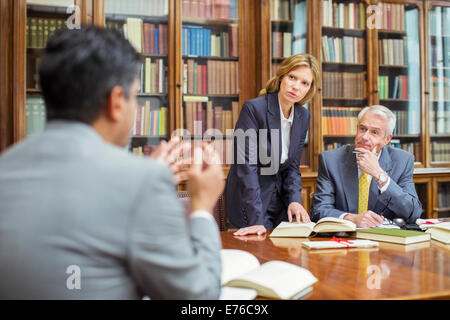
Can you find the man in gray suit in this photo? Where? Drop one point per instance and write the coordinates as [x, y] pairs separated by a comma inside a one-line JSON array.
[[388, 170], [81, 218]]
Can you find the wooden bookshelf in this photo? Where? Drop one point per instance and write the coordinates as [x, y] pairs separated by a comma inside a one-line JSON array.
[[255, 60]]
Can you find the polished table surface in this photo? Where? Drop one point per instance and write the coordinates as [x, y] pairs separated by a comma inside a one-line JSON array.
[[391, 271]]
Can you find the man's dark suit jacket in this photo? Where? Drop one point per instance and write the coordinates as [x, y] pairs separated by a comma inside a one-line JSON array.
[[337, 185], [249, 189]]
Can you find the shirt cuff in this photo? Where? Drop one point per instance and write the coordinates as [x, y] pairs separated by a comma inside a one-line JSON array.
[[384, 188], [343, 215], [202, 214]]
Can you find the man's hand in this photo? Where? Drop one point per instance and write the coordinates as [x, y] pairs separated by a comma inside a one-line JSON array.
[[368, 162], [206, 180], [295, 209], [169, 153], [256, 229], [368, 219]]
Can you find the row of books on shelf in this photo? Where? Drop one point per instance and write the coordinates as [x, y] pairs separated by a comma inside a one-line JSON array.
[[338, 14], [392, 16], [202, 116], [210, 9], [345, 49], [408, 122], [199, 41], [35, 115], [444, 195], [344, 85], [411, 147], [281, 44], [340, 120], [393, 87], [147, 38], [280, 10], [344, 121], [392, 52], [440, 119], [440, 88], [440, 53], [151, 122], [440, 151], [154, 76], [38, 30], [439, 21], [212, 77], [153, 8]]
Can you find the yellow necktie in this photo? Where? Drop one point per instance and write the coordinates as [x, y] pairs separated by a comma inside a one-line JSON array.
[[363, 199]]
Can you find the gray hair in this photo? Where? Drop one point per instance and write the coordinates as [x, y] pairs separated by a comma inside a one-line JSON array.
[[383, 112]]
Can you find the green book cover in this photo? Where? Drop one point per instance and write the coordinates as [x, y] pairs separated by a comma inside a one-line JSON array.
[[392, 232]]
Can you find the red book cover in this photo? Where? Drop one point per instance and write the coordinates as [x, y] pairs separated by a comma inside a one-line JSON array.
[[146, 31]]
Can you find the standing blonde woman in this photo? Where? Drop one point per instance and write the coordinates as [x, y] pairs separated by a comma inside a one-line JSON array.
[[264, 183]]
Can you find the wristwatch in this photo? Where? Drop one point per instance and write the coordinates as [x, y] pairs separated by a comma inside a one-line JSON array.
[[382, 178]]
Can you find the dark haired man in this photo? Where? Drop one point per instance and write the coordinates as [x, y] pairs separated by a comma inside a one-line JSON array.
[[80, 218]]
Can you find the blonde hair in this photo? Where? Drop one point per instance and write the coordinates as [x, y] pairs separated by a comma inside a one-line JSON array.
[[294, 61]]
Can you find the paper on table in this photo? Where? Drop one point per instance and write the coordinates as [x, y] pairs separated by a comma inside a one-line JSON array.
[[343, 244]]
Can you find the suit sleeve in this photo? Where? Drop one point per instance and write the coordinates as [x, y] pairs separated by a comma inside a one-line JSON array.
[[292, 180], [247, 168], [323, 203], [171, 256], [401, 197]]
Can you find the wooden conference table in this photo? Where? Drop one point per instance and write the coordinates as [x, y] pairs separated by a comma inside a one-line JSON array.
[[391, 271]]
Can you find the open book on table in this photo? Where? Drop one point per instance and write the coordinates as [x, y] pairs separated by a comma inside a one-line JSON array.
[[329, 224], [273, 279]]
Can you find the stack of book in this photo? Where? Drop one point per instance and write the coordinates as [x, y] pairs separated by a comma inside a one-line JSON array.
[[392, 16], [340, 120], [147, 38], [404, 124], [153, 76], [280, 10], [440, 151], [201, 117], [440, 118], [440, 88], [344, 85], [281, 44], [214, 77], [153, 8], [439, 24], [345, 49], [199, 41], [414, 148], [38, 30], [210, 9], [393, 87], [151, 122], [344, 15], [35, 116], [392, 52]]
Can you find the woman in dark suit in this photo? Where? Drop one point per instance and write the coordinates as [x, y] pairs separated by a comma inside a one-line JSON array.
[[264, 183]]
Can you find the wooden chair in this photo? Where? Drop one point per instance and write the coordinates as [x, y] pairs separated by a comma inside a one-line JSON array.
[[219, 211]]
